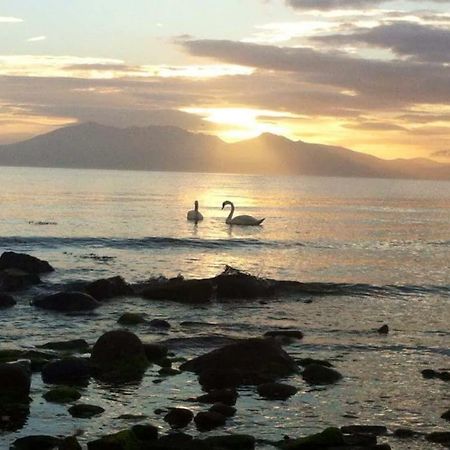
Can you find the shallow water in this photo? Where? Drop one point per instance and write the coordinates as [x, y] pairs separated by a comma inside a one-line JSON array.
[[389, 236]]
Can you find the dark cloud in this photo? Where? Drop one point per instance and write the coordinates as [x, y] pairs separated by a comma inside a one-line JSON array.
[[422, 42], [376, 126], [340, 4], [399, 82]]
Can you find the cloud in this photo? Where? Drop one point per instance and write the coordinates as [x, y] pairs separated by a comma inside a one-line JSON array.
[[37, 39], [444, 154], [340, 4], [376, 126], [422, 42], [4, 19]]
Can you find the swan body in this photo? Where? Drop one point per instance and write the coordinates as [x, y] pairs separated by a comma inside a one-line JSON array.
[[244, 220], [194, 214]]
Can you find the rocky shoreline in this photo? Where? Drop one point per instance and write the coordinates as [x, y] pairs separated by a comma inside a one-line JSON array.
[[119, 357]]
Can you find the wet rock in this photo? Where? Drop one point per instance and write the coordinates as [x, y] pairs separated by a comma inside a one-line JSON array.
[[131, 319], [15, 383], [276, 391], [208, 420], [376, 430], [79, 345], [62, 394], [178, 289], [67, 302], [160, 323], [155, 351], [318, 374], [227, 396], [168, 372], [16, 279], [119, 356], [250, 361], [383, 329], [27, 263], [307, 361], [360, 440], [39, 442], [330, 437], [222, 408], [145, 432], [231, 442], [179, 417], [123, 440], [83, 411], [405, 433], [234, 284], [439, 437], [441, 375], [6, 301], [108, 288], [180, 441], [446, 415], [285, 336], [67, 371], [69, 443], [37, 359]]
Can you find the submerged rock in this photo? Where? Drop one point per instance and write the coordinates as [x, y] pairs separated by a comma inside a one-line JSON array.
[[108, 288], [276, 391], [446, 415], [318, 374], [79, 345], [160, 323], [285, 335], [129, 318], [227, 396], [307, 361], [62, 394], [375, 430], [155, 351], [384, 329], [439, 437], [22, 261], [83, 411], [441, 375], [67, 302], [179, 417], [119, 356], [38, 442], [330, 437], [208, 420], [222, 408], [249, 361], [6, 301], [67, 371], [16, 279], [178, 289]]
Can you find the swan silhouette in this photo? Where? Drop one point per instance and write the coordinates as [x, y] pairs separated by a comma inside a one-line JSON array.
[[240, 220], [194, 214]]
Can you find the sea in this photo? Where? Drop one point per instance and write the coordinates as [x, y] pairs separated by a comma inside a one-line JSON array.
[[381, 248]]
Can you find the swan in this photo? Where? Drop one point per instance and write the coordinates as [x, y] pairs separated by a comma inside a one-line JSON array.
[[195, 214], [240, 220]]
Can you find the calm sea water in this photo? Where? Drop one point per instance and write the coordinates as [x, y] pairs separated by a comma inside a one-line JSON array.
[[394, 234]]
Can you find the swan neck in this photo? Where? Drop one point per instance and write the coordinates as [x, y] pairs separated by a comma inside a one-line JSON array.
[[230, 216]]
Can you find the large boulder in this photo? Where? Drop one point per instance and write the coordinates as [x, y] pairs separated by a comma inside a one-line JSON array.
[[6, 301], [16, 279], [27, 263], [108, 288], [250, 361], [233, 284], [178, 289], [67, 302], [119, 356], [67, 371]]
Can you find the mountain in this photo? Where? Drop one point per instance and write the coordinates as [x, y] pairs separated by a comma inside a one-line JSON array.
[[91, 145]]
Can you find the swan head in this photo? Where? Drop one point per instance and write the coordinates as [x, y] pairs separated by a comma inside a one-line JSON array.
[[196, 204], [227, 202]]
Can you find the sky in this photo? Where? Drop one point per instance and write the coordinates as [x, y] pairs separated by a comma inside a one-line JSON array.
[[369, 75]]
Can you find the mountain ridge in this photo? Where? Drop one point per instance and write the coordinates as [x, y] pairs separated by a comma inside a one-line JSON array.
[[170, 148]]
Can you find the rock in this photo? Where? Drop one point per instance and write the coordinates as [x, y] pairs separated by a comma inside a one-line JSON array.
[[222, 408], [178, 289], [446, 415], [69, 443], [159, 323], [40, 442], [439, 437], [79, 345], [168, 372], [318, 374], [123, 440], [384, 329], [155, 351], [27, 263], [16, 279], [15, 383], [83, 411], [62, 394], [330, 437], [227, 396], [67, 371], [276, 391], [376, 430], [285, 336], [430, 373], [145, 432], [404, 433], [179, 417], [249, 361], [108, 288], [131, 319], [6, 301], [234, 284], [67, 302], [231, 442], [38, 359], [180, 441], [307, 361], [208, 420], [119, 356]]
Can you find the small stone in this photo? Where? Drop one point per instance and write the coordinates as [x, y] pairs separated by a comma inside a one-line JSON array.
[[83, 411], [276, 391], [160, 323], [383, 329], [179, 417]]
